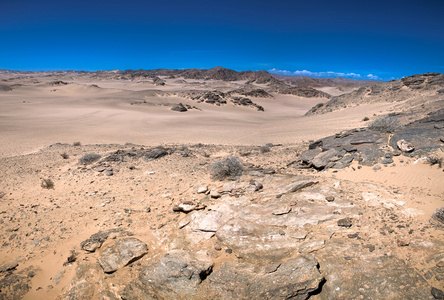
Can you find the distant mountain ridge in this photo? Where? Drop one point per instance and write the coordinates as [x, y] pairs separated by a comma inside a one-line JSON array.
[[217, 73], [306, 81]]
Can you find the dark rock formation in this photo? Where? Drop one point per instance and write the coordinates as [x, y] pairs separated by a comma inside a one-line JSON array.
[[246, 102], [258, 93], [179, 107], [5, 88], [331, 152]]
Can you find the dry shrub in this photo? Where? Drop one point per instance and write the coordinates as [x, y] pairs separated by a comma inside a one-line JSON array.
[[385, 124], [76, 144], [230, 167], [47, 183], [64, 155]]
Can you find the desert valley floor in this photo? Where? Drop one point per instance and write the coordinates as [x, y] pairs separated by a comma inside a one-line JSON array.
[[108, 187]]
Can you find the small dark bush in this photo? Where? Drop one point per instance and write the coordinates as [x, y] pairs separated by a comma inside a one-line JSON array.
[[385, 124], [89, 158], [435, 160], [365, 119], [47, 183], [64, 155], [230, 167], [76, 144], [264, 149]]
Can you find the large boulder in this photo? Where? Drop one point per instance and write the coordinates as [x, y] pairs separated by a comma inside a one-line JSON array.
[[176, 276], [293, 279]]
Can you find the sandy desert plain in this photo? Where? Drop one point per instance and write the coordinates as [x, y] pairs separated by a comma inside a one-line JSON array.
[[216, 184]]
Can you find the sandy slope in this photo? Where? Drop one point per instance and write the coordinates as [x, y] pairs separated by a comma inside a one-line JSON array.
[[32, 117]]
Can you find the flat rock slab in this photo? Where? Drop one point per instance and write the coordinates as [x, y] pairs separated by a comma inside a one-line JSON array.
[[121, 253], [344, 141], [292, 279], [255, 242], [311, 246], [176, 276], [209, 221], [321, 160], [295, 186]]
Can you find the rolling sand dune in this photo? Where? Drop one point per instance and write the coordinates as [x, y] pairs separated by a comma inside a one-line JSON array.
[[32, 117]]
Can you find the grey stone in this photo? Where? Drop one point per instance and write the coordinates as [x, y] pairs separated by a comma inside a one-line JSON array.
[[346, 222], [179, 107], [188, 206], [83, 285], [311, 246], [437, 294], [405, 146], [343, 162], [59, 276], [293, 279], [330, 198], [96, 240], [209, 221], [176, 276], [349, 276], [295, 186], [121, 253], [282, 211], [322, 159], [8, 266], [308, 155], [377, 167], [202, 189], [349, 147]]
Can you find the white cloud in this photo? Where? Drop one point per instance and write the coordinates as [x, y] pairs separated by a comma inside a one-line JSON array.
[[324, 74]]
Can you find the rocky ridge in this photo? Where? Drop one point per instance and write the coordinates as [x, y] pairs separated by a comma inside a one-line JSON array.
[[414, 95]]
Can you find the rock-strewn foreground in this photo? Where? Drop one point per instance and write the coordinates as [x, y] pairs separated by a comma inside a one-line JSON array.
[[150, 223]]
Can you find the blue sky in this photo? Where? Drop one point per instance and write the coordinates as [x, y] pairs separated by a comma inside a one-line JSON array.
[[356, 39]]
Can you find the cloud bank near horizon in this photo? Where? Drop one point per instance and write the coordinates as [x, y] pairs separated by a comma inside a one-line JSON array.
[[328, 74]]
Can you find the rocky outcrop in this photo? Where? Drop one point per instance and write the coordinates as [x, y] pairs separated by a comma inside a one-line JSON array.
[[257, 93], [246, 102], [179, 107], [339, 150], [411, 92]]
